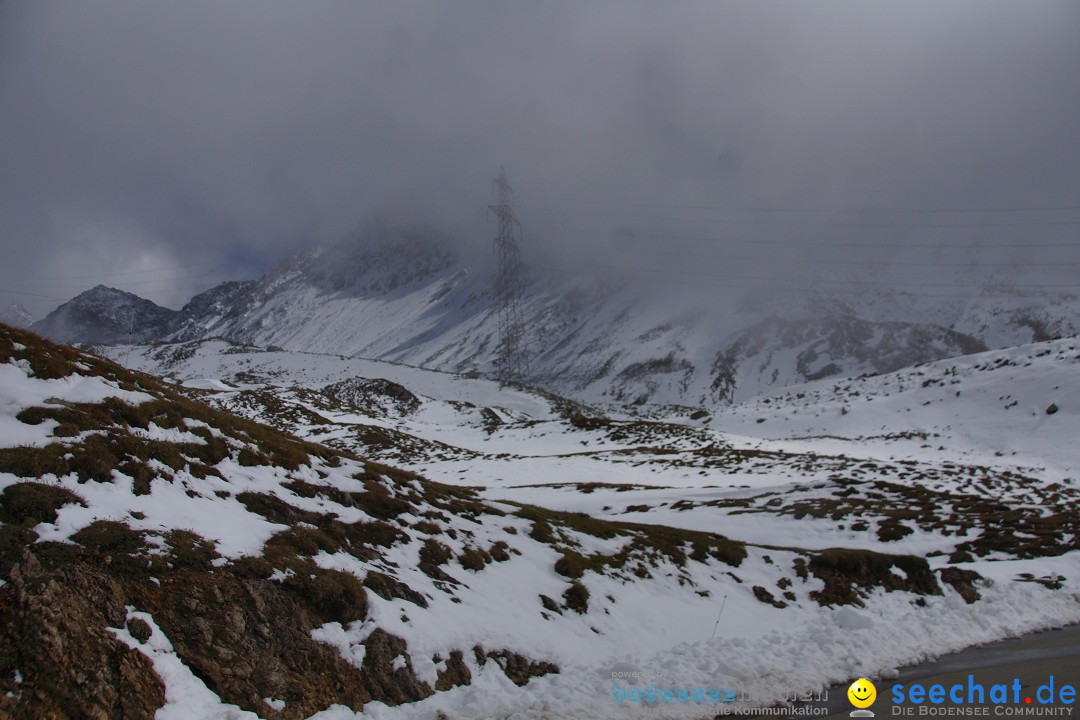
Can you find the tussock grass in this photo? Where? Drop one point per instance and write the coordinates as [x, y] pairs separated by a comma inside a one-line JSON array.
[[29, 503]]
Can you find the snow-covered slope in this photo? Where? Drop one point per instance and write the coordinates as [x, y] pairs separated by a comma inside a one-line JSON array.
[[171, 533]]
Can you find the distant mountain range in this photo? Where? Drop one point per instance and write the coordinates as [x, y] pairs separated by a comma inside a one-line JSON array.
[[403, 293]]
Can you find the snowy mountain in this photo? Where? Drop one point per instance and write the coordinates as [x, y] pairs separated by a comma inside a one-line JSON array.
[[408, 294], [106, 315], [16, 315]]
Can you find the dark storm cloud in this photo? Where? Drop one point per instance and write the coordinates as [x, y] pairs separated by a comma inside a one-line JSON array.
[[214, 137]]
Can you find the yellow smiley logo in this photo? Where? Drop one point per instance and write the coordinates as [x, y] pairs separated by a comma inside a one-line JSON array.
[[862, 693]]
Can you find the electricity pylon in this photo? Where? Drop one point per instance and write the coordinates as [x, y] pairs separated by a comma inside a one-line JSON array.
[[511, 354]]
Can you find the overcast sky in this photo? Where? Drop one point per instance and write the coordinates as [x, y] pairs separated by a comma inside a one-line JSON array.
[[161, 147]]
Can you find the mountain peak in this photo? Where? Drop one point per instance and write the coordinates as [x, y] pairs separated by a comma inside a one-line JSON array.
[[104, 314]]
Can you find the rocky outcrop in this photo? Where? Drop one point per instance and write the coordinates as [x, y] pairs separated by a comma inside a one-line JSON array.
[[251, 639], [53, 628], [246, 639]]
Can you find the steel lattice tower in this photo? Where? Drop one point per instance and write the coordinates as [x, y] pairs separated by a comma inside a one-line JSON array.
[[511, 354]]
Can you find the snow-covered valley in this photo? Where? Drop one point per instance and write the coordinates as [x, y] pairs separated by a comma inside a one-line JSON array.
[[845, 527]]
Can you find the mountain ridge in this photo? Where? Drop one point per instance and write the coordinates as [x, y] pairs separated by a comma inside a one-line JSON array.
[[405, 293]]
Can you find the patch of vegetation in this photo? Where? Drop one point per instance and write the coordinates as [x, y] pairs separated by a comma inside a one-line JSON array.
[[891, 529], [141, 475], [579, 522], [576, 597], [377, 533], [976, 507], [474, 558], [427, 527], [34, 462], [47, 360], [499, 551], [335, 596], [109, 537], [550, 604], [30, 503], [646, 543], [849, 573], [277, 510], [110, 445], [255, 568], [109, 544], [378, 502], [9, 661], [581, 421], [14, 539], [658, 540], [388, 587], [541, 532], [961, 556], [189, 550], [286, 548], [491, 419], [434, 553], [767, 597], [460, 501], [1050, 582], [571, 564], [248, 457]]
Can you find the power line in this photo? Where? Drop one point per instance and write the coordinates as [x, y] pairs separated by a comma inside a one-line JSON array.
[[761, 278], [850, 225], [864, 263], [812, 283], [162, 282], [808, 211], [33, 294], [202, 287], [212, 263], [795, 243]]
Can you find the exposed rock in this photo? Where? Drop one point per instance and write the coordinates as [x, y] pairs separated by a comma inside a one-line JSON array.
[[251, 639], [456, 672], [55, 623], [390, 685], [962, 581], [517, 667], [375, 396]]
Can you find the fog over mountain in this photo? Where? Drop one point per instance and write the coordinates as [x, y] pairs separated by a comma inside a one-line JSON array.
[[783, 393], [164, 148], [404, 292]]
